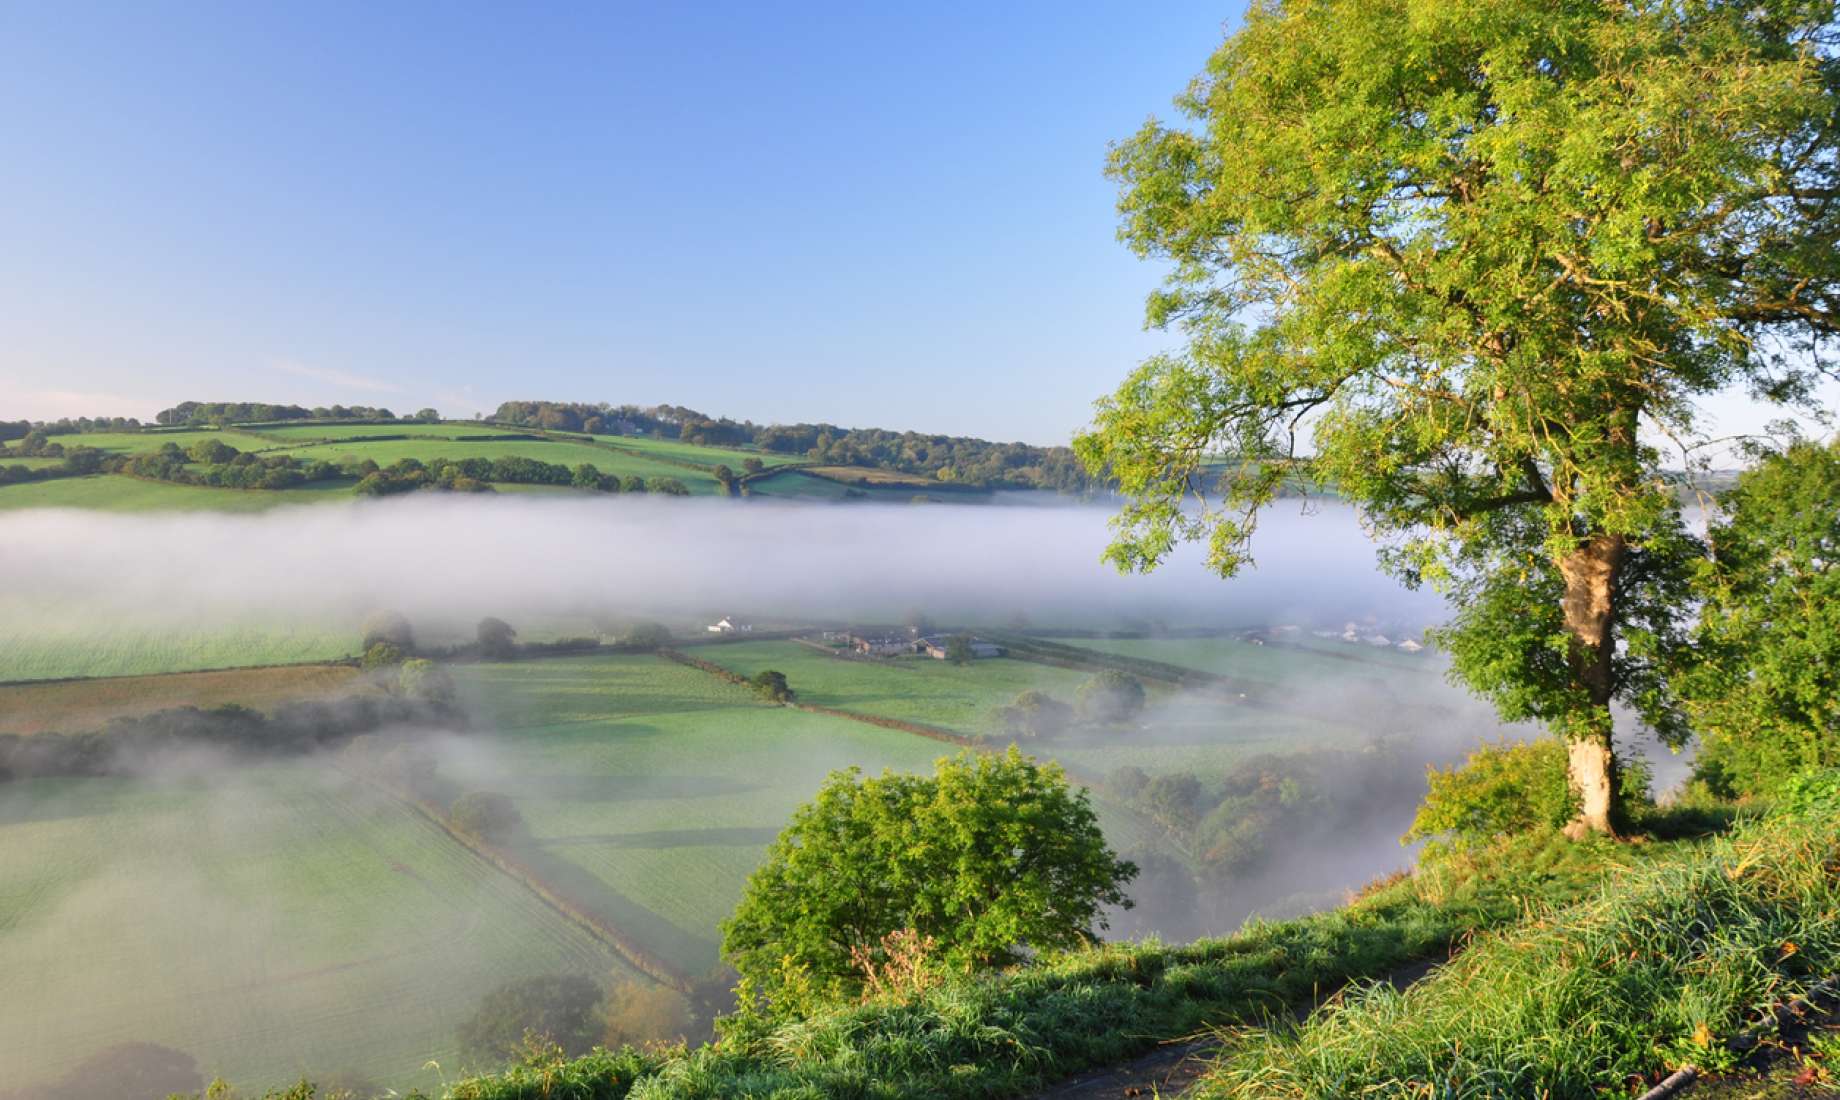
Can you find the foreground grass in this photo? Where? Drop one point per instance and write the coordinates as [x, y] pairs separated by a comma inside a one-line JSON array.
[[1010, 1034], [1661, 967]]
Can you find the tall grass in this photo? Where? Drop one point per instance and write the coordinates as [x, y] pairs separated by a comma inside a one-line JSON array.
[[1661, 967], [1010, 1034]]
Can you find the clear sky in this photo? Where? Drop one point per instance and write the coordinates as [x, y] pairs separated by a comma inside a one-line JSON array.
[[887, 215], [875, 214]]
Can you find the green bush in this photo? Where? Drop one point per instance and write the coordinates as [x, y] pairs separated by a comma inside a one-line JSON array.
[[1499, 790]]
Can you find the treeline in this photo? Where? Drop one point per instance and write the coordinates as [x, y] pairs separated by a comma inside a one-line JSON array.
[[204, 413], [19, 429], [960, 459], [129, 745], [407, 475]]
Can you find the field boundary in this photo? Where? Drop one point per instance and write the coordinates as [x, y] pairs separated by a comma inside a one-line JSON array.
[[513, 868]]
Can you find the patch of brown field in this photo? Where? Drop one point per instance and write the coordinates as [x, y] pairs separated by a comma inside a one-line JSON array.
[[76, 706], [893, 479]]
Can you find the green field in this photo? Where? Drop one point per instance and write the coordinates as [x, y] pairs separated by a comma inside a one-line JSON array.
[[1277, 665], [46, 653], [117, 493], [384, 452], [691, 452], [283, 920], [652, 789], [1200, 736]]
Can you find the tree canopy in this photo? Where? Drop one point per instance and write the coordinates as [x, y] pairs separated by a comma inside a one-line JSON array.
[[1766, 697], [1469, 264], [987, 859]]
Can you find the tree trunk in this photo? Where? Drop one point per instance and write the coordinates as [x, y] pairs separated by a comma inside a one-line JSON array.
[[1590, 574]]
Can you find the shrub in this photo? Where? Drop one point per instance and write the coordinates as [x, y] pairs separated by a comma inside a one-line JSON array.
[[771, 683], [1110, 697], [487, 815], [382, 655], [559, 1009], [425, 680], [1501, 789]]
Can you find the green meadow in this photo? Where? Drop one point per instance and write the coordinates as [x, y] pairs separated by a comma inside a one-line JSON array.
[[270, 922], [49, 653]]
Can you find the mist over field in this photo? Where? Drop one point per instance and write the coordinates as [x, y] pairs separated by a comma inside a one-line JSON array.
[[442, 558], [290, 890]]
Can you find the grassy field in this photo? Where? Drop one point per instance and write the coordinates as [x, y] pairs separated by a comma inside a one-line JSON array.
[[384, 452], [71, 706], [1277, 665], [651, 789], [116, 493], [277, 921], [46, 654], [691, 452], [1201, 736]]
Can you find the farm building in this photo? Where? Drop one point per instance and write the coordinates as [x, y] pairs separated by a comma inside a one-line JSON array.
[[730, 626], [880, 645], [936, 647]]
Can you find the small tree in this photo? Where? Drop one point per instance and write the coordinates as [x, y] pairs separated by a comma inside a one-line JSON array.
[[496, 638], [1765, 696], [991, 857], [958, 649], [1035, 714], [1110, 697], [725, 477], [391, 627], [487, 815], [632, 483], [648, 635], [670, 487], [752, 465], [427, 416], [563, 1009], [771, 683], [382, 655], [423, 679]]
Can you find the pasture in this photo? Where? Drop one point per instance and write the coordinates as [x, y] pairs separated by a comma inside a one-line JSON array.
[[270, 922], [650, 790], [71, 706], [1287, 664], [608, 461], [43, 652], [118, 493], [693, 452], [1203, 735]]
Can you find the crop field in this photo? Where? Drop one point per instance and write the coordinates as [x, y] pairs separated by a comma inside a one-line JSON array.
[[116, 493], [124, 650], [72, 706], [651, 790], [282, 921]]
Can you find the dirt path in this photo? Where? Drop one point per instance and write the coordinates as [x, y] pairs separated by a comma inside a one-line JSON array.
[[1174, 1067]]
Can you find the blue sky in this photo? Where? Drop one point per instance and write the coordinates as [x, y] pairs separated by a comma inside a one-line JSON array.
[[874, 214], [888, 215]]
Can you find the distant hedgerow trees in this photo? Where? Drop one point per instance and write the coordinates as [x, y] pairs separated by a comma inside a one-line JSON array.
[[771, 684], [497, 639], [554, 1009]]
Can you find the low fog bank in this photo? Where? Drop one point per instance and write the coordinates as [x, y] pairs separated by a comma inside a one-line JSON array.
[[448, 559]]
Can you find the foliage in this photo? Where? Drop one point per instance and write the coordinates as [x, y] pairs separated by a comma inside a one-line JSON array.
[[1034, 714], [645, 1013], [389, 627], [990, 857], [558, 1009], [1662, 966], [1499, 790], [958, 649], [423, 679], [488, 815], [772, 686], [497, 638], [648, 635], [381, 655], [1453, 247], [247, 412], [1766, 698], [1110, 697]]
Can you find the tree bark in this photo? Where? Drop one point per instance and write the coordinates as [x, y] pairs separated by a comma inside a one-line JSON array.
[[1590, 573]]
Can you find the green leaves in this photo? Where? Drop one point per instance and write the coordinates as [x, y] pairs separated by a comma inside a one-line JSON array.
[[992, 857]]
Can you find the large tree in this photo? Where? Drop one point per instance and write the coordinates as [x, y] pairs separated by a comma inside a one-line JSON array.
[[1470, 264]]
